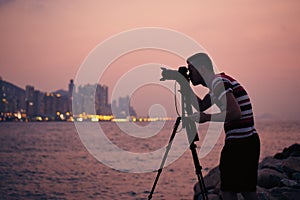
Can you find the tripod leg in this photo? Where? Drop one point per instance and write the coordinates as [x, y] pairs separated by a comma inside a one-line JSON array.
[[198, 169], [165, 156]]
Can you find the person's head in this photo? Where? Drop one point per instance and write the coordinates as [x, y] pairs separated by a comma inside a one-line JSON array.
[[200, 68]]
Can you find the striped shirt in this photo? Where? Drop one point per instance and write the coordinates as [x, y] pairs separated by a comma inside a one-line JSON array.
[[243, 127]]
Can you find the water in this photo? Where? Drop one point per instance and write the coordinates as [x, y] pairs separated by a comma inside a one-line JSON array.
[[49, 161]]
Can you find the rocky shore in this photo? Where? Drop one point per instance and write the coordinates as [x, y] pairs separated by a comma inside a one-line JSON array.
[[278, 178]]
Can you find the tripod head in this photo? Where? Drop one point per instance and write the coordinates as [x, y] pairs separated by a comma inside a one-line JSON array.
[[177, 75]]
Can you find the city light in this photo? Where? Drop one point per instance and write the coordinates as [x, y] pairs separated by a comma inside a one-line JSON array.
[[31, 105]]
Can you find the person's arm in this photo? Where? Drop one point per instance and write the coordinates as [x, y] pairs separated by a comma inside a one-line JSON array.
[[201, 104], [230, 113]]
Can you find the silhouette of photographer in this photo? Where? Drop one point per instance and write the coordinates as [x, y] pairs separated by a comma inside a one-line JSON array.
[[240, 154]]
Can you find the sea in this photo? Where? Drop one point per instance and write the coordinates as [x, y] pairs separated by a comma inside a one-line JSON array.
[[55, 160]]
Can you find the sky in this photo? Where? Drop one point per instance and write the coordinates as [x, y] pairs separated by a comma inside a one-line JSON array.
[[44, 43]]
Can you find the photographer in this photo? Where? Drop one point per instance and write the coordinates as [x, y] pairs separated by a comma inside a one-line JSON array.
[[240, 154]]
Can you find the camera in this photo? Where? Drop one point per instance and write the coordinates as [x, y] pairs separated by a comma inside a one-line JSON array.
[[178, 75]]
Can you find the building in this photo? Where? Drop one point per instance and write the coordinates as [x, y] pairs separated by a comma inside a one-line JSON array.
[[38, 102], [71, 88], [101, 100], [29, 100], [49, 104], [71, 91], [91, 99], [12, 99], [123, 109], [31, 104]]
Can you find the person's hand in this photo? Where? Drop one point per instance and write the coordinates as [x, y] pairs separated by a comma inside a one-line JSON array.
[[199, 117]]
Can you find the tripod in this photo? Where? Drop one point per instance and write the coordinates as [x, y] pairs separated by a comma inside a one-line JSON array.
[[192, 135]]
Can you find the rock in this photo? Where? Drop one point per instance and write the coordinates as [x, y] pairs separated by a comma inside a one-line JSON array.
[[269, 178], [295, 176], [295, 154], [210, 197], [291, 165], [284, 154], [213, 197], [261, 189], [288, 182], [262, 193], [272, 163], [284, 193], [212, 178], [293, 150]]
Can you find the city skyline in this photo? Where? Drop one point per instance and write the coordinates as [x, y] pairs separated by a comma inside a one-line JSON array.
[[35, 105]]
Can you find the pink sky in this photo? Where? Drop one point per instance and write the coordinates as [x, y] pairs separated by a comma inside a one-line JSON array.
[[43, 43]]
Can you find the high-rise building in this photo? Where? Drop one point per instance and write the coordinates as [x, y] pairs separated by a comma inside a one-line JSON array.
[[61, 102], [71, 90], [102, 106], [123, 109], [104, 96], [38, 103], [91, 99], [71, 87], [49, 104], [29, 99], [12, 98]]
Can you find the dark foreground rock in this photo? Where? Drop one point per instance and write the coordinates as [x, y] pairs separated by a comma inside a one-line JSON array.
[[278, 178]]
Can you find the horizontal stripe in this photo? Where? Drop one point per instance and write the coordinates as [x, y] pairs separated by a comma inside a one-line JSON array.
[[239, 126], [242, 98], [240, 136], [234, 83], [245, 103], [236, 86], [246, 112], [247, 117], [241, 130], [246, 107]]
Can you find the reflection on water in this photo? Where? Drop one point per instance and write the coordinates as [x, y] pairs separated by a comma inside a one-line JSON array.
[[48, 161]]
